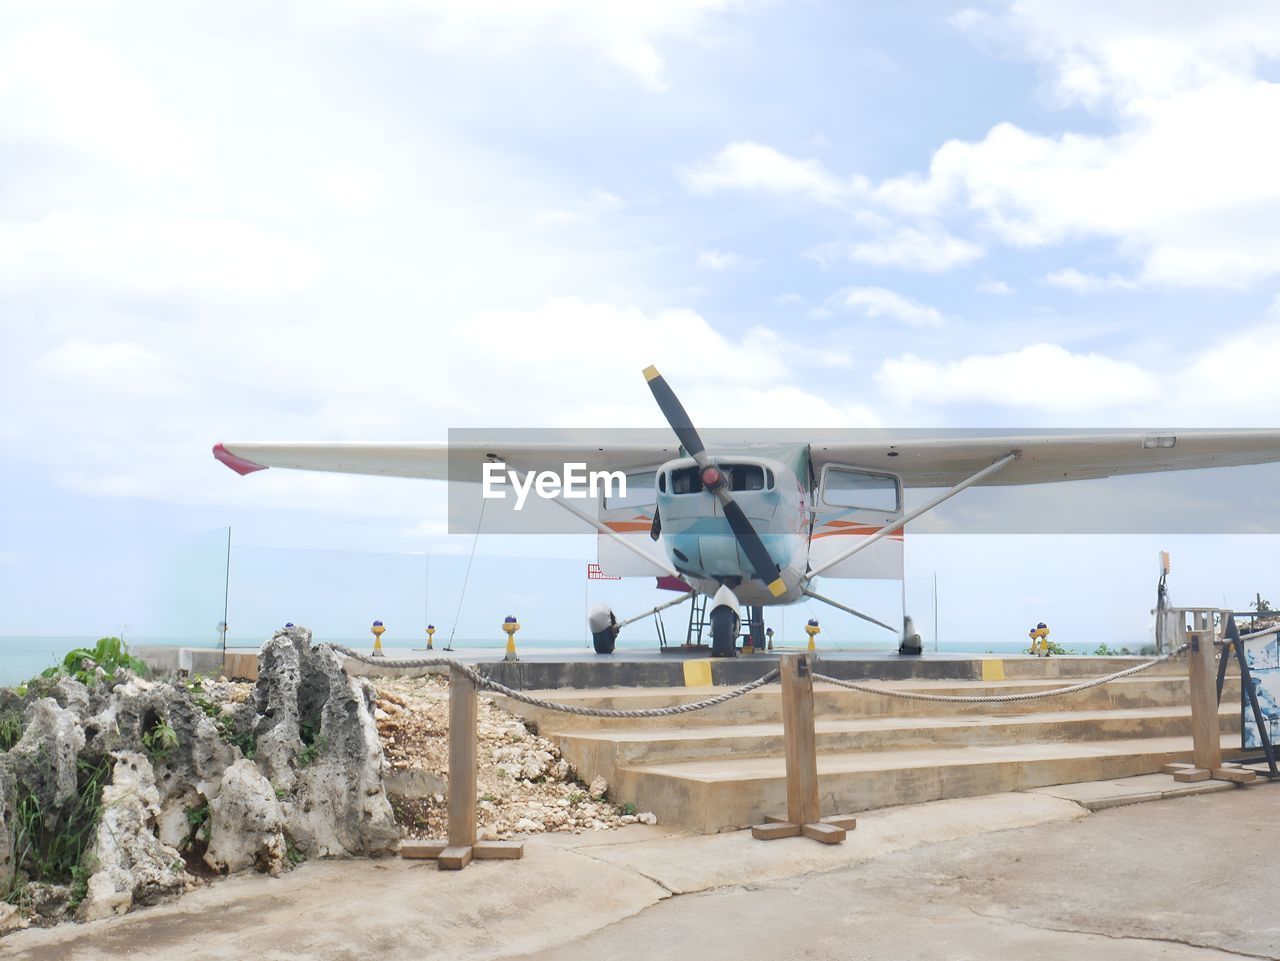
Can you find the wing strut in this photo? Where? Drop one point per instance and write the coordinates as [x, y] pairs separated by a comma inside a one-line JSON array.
[[605, 529], [902, 521], [654, 610], [848, 610]]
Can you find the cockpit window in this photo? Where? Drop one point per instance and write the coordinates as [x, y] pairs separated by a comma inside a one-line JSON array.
[[742, 477]]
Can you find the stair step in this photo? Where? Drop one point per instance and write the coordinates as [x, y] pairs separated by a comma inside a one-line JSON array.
[[727, 793], [763, 705], [599, 752]]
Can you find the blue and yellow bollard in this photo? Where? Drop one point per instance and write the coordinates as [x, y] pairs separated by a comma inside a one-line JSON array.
[[377, 631], [768, 633], [431, 634], [510, 625], [1039, 640], [813, 630]]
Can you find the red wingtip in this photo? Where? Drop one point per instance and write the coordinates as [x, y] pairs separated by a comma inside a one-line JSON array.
[[237, 464]]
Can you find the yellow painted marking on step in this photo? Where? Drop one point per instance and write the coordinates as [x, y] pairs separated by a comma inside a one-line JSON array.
[[992, 669], [697, 673]]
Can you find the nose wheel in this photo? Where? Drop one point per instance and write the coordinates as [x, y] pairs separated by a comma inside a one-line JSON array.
[[725, 625]]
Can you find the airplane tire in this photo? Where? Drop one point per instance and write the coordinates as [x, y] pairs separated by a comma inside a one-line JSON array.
[[724, 632]]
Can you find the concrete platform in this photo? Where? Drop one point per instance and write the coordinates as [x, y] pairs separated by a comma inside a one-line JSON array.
[[1100, 795], [645, 669], [729, 793]]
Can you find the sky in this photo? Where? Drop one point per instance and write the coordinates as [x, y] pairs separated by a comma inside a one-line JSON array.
[[341, 220]]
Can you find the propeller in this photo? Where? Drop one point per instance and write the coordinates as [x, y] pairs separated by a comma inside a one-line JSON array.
[[713, 479]]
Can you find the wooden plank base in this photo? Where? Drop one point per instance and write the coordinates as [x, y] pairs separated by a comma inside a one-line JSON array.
[[454, 859], [825, 833], [1192, 774], [1237, 774], [774, 830], [497, 850], [1177, 766], [422, 849], [846, 821]]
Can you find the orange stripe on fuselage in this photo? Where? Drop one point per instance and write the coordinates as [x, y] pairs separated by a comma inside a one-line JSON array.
[[850, 527]]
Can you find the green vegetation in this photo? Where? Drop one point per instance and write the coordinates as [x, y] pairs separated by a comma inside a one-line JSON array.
[[198, 820], [54, 845], [160, 740], [223, 720], [628, 808], [110, 654], [311, 752], [295, 856], [11, 725]]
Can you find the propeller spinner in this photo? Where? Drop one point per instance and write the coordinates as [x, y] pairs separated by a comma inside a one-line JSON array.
[[713, 479]]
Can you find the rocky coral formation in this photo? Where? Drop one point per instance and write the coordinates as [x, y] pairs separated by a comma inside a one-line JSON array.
[[124, 791], [525, 786], [133, 865]]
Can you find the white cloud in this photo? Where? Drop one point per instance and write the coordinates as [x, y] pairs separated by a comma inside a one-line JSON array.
[[618, 32], [1186, 182], [1041, 376], [354, 186], [878, 302], [755, 166], [1071, 279], [152, 255], [998, 287], [931, 250], [59, 86], [726, 260]]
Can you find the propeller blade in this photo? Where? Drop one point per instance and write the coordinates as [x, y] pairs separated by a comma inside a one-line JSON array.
[[676, 416], [748, 539], [758, 555]]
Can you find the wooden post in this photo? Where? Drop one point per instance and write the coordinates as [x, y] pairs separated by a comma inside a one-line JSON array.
[[1206, 741], [799, 737], [803, 809], [462, 845], [462, 771]]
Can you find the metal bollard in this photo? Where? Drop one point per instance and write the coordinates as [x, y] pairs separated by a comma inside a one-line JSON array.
[[510, 625], [377, 632], [431, 634], [813, 630]]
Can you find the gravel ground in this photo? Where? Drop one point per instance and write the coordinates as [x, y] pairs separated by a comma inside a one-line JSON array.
[[525, 786]]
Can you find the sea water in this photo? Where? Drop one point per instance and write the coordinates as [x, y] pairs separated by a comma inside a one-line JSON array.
[[22, 658]]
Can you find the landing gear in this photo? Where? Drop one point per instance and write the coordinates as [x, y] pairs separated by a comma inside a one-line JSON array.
[[725, 624]]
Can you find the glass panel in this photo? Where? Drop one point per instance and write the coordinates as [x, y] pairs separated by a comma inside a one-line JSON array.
[[850, 488], [640, 491]]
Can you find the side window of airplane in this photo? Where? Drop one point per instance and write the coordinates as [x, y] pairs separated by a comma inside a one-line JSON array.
[[640, 491], [842, 487]]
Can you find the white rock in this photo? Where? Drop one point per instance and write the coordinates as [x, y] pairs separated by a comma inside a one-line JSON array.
[[599, 787], [528, 826], [133, 865], [246, 826], [627, 819], [648, 817]]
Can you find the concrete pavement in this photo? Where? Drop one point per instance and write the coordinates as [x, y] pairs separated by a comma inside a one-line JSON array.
[[1013, 875]]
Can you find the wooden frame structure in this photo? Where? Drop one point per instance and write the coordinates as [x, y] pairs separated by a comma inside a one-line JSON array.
[[456, 853], [803, 811]]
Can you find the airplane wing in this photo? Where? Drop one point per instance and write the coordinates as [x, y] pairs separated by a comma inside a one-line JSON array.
[[924, 461], [440, 461], [922, 458]]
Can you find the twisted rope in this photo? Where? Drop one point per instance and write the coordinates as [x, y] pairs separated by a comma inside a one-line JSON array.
[[988, 698], [487, 683]]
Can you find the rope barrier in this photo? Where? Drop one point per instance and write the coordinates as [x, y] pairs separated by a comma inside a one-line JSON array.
[[488, 683], [989, 698]]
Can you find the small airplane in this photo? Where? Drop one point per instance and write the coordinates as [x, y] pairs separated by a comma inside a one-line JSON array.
[[755, 525]]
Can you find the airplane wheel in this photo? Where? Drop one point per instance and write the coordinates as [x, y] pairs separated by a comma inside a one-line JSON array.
[[724, 632]]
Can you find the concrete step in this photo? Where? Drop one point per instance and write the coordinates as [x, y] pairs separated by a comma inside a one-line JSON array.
[[728, 793], [764, 704], [600, 752]]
